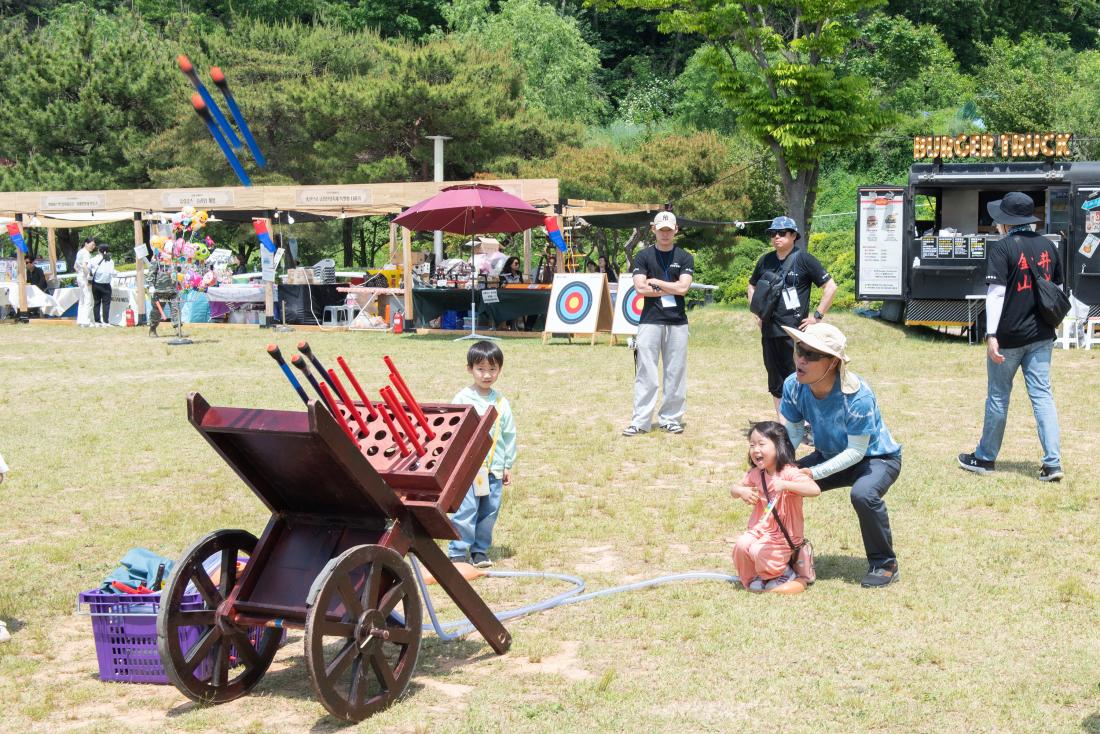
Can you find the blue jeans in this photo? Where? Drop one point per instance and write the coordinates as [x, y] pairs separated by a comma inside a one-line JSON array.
[[475, 519], [1034, 358]]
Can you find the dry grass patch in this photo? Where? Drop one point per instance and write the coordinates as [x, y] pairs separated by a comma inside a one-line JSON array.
[[992, 627]]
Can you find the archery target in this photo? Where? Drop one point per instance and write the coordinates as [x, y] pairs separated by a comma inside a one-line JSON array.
[[579, 304], [632, 306], [574, 303], [628, 307]]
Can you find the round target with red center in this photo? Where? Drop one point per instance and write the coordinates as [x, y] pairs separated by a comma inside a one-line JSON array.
[[574, 303], [632, 306]]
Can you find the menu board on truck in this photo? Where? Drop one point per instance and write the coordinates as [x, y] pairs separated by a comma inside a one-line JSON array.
[[880, 262]]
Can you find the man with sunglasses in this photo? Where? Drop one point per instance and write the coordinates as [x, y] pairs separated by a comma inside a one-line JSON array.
[[793, 308], [852, 446]]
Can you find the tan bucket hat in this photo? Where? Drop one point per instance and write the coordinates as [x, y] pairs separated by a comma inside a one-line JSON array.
[[828, 339]]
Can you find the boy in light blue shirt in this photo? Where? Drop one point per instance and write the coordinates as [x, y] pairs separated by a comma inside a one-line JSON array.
[[477, 515]]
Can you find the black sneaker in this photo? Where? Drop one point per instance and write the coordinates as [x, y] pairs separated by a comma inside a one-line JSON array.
[[970, 462], [633, 431], [1051, 474], [673, 427], [877, 577], [481, 560], [458, 559]]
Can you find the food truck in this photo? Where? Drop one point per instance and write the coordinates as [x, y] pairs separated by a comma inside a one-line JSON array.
[[921, 249]]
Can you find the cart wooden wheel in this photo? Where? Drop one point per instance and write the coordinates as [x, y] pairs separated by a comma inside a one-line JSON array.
[[360, 654], [209, 658]]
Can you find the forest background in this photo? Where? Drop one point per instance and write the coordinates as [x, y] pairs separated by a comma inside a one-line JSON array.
[[621, 100]]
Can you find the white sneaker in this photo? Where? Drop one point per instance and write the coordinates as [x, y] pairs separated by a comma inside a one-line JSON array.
[[4, 634], [777, 582]]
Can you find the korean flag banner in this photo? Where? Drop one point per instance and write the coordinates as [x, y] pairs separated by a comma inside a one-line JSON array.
[[17, 237], [554, 233], [261, 231]]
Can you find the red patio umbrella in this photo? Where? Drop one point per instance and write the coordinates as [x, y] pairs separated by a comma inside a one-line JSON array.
[[470, 209]]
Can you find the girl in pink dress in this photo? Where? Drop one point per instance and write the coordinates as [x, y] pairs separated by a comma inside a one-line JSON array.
[[762, 554]]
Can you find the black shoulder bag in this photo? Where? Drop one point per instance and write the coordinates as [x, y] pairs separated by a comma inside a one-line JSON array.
[[802, 555], [1052, 300], [770, 287]]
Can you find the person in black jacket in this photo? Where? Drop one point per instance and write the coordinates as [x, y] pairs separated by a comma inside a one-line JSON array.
[[35, 276], [793, 308], [1017, 337]]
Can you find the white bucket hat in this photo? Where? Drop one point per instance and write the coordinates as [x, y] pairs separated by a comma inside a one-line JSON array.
[[827, 339]]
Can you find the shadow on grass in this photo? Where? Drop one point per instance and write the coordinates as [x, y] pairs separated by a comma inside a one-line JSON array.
[[850, 569], [502, 551], [1029, 469], [437, 657], [1091, 723]]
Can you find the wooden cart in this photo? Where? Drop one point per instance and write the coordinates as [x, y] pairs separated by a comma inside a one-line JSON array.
[[331, 559]]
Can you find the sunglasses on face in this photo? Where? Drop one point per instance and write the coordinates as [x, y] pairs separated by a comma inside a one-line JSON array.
[[808, 354], [782, 232]]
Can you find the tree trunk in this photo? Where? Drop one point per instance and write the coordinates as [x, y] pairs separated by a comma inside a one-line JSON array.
[[636, 236], [800, 191], [68, 242], [361, 230], [349, 242]]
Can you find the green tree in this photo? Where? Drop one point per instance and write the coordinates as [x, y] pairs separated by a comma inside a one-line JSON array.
[[332, 106], [966, 25], [1080, 113], [696, 104], [1022, 82], [910, 66], [559, 66], [82, 98], [780, 71], [693, 171]]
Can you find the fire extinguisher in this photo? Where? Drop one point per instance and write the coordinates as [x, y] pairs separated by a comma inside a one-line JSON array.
[[398, 323], [130, 321]]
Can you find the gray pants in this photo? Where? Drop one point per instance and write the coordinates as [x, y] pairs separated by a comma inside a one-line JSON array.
[[669, 345]]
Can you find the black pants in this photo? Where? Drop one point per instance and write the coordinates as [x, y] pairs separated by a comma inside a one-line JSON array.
[[778, 360], [869, 480], [101, 293]]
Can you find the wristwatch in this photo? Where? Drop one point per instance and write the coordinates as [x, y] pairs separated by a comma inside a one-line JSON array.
[[819, 316]]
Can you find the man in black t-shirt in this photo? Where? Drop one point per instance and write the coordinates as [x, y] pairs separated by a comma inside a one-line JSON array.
[[662, 275], [793, 308], [1017, 337]]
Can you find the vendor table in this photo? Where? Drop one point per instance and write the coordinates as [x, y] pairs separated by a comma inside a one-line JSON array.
[[304, 304], [513, 303]]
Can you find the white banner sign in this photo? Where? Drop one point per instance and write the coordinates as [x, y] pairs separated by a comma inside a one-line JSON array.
[[334, 197], [199, 199], [70, 202], [881, 243]]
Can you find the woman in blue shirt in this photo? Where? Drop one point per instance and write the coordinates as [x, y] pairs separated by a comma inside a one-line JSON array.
[[853, 447]]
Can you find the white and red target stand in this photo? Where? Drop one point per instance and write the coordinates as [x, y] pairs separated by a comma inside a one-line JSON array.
[[628, 308], [580, 305]]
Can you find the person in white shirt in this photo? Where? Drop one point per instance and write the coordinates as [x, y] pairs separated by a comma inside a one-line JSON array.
[[101, 269], [80, 267]]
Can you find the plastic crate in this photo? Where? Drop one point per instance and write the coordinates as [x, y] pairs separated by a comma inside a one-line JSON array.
[[125, 631]]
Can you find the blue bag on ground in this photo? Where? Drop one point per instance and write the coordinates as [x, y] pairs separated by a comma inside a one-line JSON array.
[[139, 566]]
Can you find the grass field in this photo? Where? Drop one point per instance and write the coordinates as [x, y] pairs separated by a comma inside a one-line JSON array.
[[992, 628]]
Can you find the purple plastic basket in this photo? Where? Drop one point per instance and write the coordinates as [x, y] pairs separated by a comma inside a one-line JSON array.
[[125, 631]]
